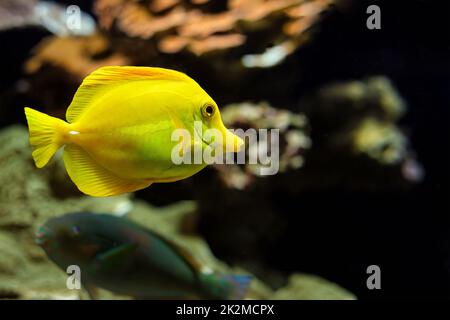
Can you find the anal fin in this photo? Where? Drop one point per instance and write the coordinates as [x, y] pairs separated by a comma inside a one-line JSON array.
[[94, 180]]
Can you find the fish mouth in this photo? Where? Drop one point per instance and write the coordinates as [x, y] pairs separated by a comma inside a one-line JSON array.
[[231, 143]]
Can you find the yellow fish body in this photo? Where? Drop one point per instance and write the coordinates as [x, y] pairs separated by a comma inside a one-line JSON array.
[[118, 134]]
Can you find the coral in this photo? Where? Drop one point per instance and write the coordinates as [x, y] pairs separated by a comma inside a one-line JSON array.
[[202, 27], [293, 136], [31, 199], [375, 95], [356, 126], [381, 141], [75, 55], [153, 29]]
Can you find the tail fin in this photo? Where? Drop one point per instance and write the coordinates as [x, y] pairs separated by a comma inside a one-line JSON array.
[[46, 135], [239, 285]]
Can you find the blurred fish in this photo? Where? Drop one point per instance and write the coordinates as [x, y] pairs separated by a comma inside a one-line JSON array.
[[121, 256], [54, 17], [119, 135]]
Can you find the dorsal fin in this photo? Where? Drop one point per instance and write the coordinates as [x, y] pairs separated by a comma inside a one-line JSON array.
[[102, 79]]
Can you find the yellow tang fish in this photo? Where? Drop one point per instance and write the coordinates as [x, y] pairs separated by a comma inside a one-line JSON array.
[[118, 134]]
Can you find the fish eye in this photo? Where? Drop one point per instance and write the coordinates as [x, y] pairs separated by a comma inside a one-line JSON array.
[[75, 230], [208, 110]]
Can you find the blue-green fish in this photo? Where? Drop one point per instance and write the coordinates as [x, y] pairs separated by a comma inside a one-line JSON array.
[[121, 256]]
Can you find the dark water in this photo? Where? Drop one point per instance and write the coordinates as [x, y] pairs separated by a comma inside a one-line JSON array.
[[407, 234]]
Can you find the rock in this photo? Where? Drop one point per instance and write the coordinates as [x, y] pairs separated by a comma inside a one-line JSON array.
[[309, 287]]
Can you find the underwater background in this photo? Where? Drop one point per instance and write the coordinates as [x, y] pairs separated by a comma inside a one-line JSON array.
[[364, 127]]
